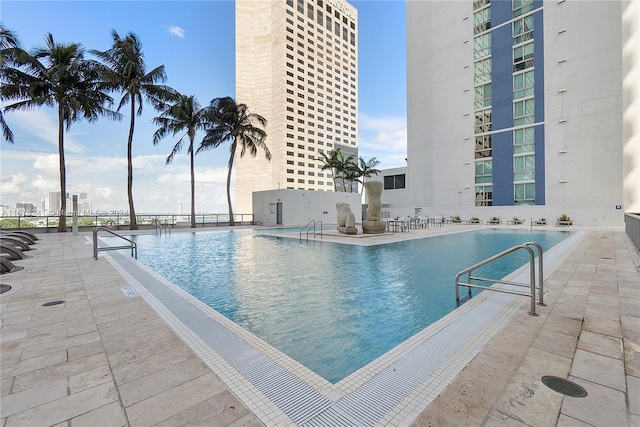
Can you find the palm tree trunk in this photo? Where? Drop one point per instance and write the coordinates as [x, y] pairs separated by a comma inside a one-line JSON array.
[[62, 220], [233, 153], [133, 225], [193, 182]]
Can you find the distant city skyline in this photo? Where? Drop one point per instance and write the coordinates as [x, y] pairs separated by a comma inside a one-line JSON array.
[[196, 44]]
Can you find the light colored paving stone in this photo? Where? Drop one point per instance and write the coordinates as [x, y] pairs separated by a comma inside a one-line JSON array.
[[568, 310], [62, 370], [85, 350], [556, 343], [529, 401], [139, 368], [162, 380], [603, 406], [538, 363], [611, 312], [5, 386], [563, 325], [599, 369], [601, 344], [133, 339], [247, 421], [111, 414], [633, 389], [566, 421], [32, 397], [497, 418], [33, 364], [59, 344], [220, 410], [65, 408], [600, 325], [88, 379], [171, 402]]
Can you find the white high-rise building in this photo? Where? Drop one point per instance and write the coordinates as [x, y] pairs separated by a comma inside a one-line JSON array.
[[297, 66], [524, 106]]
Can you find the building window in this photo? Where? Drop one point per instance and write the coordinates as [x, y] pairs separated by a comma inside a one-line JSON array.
[[482, 20], [483, 146], [484, 171], [524, 193], [523, 140], [483, 121], [482, 71], [523, 112], [522, 29], [524, 167], [523, 57], [484, 195], [394, 182], [481, 46], [521, 6], [320, 18], [482, 96], [523, 84], [301, 6]]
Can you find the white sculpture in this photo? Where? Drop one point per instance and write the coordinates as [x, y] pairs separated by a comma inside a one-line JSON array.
[[373, 225], [344, 209], [346, 219]]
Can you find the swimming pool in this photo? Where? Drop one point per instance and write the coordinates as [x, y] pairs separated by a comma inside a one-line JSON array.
[[332, 307]]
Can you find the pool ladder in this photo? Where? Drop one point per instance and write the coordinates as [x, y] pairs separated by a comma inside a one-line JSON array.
[[311, 226], [132, 245], [532, 276]]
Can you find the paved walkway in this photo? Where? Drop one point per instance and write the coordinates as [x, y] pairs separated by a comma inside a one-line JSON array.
[[104, 359]]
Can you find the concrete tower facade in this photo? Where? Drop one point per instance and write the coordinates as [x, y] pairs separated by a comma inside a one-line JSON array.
[[297, 66]]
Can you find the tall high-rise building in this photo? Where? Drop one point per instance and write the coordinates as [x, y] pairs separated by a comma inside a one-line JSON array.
[[296, 65], [524, 103]]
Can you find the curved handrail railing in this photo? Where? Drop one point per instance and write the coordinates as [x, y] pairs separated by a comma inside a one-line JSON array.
[[133, 246], [311, 225], [532, 274]]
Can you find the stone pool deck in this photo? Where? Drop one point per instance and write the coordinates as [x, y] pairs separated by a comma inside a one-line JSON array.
[[102, 359]]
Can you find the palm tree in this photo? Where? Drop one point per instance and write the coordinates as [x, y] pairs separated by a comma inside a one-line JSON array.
[[234, 123], [125, 71], [57, 75], [344, 166], [183, 115], [329, 162], [351, 173], [10, 51], [367, 169]]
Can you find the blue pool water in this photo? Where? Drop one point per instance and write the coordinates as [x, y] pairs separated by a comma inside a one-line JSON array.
[[334, 308]]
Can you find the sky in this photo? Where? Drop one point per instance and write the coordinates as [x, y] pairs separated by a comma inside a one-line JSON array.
[[195, 41]]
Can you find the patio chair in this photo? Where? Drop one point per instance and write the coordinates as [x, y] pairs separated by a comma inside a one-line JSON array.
[[12, 241]]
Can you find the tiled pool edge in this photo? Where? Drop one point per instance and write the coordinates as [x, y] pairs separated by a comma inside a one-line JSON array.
[[401, 413]]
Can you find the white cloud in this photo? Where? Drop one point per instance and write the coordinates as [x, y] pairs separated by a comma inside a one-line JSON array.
[[384, 138], [157, 187], [13, 184], [41, 124], [175, 31]]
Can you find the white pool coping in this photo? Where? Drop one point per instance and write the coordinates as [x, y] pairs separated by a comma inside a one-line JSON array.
[[391, 390]]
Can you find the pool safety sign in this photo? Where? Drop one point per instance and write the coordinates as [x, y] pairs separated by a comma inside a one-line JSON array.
[[130, 292]]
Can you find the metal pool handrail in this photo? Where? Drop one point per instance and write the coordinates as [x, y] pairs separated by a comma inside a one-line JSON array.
[[532, 274], [132, 245], [311, 225]]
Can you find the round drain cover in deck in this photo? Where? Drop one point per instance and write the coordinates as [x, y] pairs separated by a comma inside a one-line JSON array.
[[50, 303], [4, 288], [564, 386]]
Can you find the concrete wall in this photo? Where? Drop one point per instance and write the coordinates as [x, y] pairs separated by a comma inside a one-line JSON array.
[[591, 166], [301, 206]]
